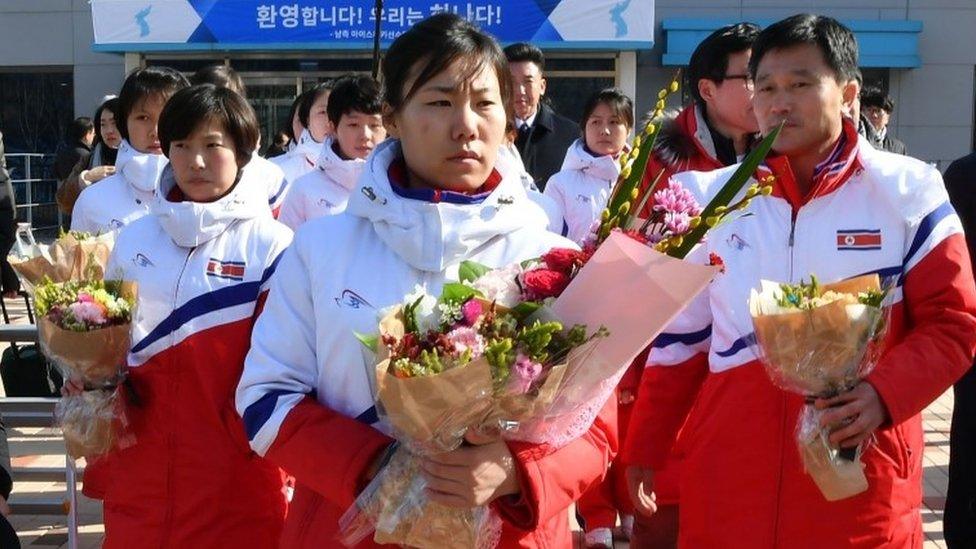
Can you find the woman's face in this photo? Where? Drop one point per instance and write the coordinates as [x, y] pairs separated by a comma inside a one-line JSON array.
[[141, 124], [318, 119], [108, 130], [204, 163], [606, 133], [451, 129]]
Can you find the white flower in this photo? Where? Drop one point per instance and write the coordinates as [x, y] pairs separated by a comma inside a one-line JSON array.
[[499, 285], [426, 311]]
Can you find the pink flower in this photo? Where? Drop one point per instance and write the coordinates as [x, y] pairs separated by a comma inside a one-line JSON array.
[[466, 339], [472, 311], [524, 373], [676, 199], [88, 313], [85, 298], [677, 223]]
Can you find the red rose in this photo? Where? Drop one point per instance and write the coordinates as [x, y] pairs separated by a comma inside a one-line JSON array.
[[542, 283], [562, 259], [715, 260]]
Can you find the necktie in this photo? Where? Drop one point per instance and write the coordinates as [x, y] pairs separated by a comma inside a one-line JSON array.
[[523, 138]]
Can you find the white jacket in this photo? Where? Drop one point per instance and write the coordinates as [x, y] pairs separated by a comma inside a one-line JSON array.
[[300, 160], [343, 270], [121, 198], [272, 178], [322, 191], [198, 265], [581, 188]]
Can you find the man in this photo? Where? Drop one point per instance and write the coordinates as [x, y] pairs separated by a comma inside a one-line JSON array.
[[742, 481], [714, 131], [960, 507], [877, 107], [8, 230], [79, 138], [543, 136]]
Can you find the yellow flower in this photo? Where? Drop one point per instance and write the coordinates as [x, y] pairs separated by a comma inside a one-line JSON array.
[[634, 193], [719, 210], [660, 105], [766, 190], [694, 222], [624, 208], [605, 215], [662, 94], [649, 129], [674, 86], [711, 220], [637, 144]]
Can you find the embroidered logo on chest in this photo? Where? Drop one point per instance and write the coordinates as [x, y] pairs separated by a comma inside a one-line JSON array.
[[352, 300], [324, 202], [859, 239], [582, 199], [141, 260], [229, 270]]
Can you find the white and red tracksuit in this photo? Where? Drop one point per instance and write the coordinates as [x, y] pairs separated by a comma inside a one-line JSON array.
[[742, 483], [190, 479], [582, 187], [322, 191], [300, 160], [273, 177], [307, 394]]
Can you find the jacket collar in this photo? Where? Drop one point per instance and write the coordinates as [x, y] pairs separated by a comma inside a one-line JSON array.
[[430, 236], [140, 170], [829, 175], [579, 158], [308, 148], [191, 224], [343, 172]]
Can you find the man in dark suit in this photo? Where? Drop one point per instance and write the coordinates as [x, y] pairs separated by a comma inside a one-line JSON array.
[[8, 229], [543, 135], [960, 507], [877, 107]]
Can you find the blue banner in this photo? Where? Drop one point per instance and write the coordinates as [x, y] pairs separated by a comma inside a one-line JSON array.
[[126, 25]]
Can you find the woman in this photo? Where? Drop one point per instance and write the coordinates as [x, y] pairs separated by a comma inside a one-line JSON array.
[[100, 164], [201, 259], [313, 117], [427, 200], [125, 196], [592, 166]]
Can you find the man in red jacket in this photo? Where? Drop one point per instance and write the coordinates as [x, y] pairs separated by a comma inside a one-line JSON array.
[[742, 483], [712, 132]]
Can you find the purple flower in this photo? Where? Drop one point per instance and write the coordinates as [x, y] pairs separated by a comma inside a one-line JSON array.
[[524, 373], [676, 199], [471, 311]]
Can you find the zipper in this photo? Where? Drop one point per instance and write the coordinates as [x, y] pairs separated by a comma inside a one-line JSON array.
[[176, 291], [791, 242]]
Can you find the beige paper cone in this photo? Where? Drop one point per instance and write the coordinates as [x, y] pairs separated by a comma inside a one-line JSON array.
[[34, 270], [837, 479], [97, 356]]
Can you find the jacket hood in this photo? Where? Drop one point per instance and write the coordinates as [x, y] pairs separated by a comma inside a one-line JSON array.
[[605, 168], [430, 236], [140, 170], [191, 224], [308, 147], [343, 172]]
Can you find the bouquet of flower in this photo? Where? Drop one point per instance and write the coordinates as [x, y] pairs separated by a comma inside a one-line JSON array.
[[83, 328], [819, 341], [75, 255]]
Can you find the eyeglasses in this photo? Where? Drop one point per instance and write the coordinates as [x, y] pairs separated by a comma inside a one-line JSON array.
[[746, 80]]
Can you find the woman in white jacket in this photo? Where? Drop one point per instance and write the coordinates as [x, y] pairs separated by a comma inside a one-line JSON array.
[[125, 196], [427, 201], [202, 260], [582, 187], [354, 112], [314, 119]]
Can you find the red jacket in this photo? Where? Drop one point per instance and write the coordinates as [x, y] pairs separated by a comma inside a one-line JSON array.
[[683, 144], [742, 481]]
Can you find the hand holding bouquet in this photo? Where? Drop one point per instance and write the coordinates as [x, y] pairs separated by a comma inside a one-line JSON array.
[[83, 328], [820, 341]]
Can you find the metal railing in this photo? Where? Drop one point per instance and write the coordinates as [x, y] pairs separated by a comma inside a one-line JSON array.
[[26, 172]]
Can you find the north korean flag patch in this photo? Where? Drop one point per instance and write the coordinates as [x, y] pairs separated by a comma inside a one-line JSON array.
[[859, 239], [229, 270]]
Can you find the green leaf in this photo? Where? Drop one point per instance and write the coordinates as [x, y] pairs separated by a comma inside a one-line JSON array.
[[725, 195], [469, 271], [454, 292], [369, 341], [525, 309]]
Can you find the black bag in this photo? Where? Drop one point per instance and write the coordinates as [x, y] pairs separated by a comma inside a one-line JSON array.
[[26, 373]]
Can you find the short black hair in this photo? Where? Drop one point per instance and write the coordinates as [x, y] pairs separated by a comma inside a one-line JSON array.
[[145, 83], [432, 46], [616, 99], [523, 51], [295, 104], [78, 128], [191, 107], [874, 96], [835, 42], [710, 60], [221, 76], [354, 93], [309, 98]]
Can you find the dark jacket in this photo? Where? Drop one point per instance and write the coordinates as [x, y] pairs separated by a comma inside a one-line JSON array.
[[68, 157], [6, 186], [893, 145], [545, 148]]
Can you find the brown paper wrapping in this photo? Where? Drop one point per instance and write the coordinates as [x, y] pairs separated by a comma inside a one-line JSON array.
[[837, 478], [69, 260], [818, 351], [88, 423], [97, 356]]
